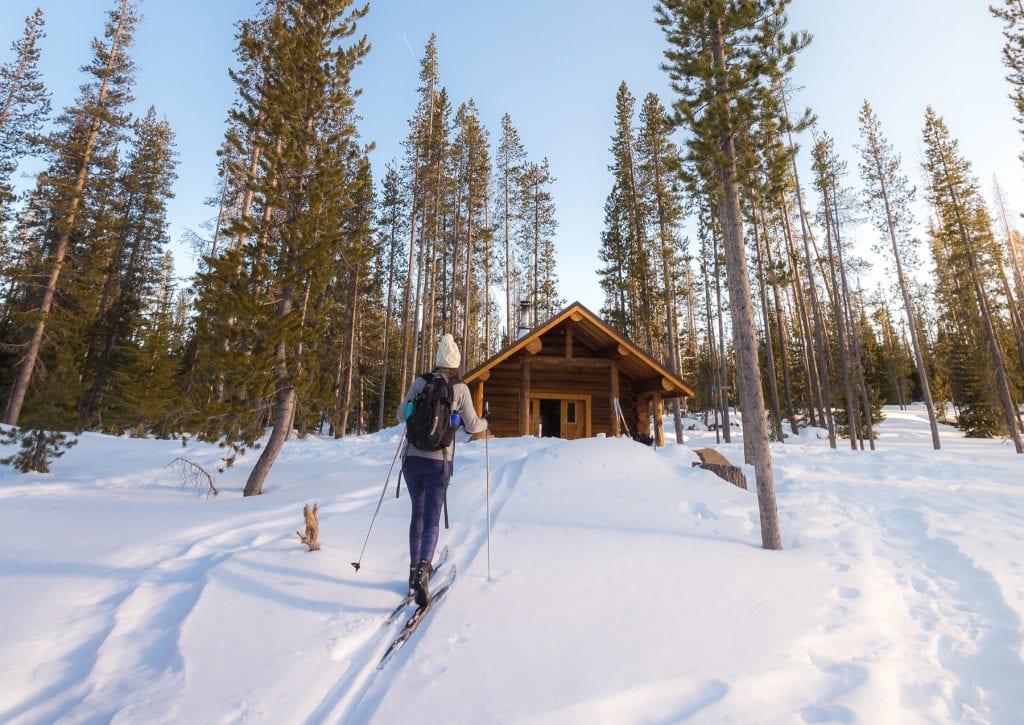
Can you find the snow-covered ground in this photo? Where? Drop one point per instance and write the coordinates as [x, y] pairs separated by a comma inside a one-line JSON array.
[[625, 587]]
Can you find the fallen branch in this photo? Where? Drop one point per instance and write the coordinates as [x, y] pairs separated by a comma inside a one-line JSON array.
[[194, 475]]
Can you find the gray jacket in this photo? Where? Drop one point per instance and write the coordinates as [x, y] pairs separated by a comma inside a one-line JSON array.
[[462, 404]]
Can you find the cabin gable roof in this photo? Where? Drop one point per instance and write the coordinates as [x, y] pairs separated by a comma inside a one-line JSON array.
[[592, 335]]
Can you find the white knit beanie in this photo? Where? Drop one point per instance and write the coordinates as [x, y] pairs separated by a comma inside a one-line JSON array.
[[447, 353]]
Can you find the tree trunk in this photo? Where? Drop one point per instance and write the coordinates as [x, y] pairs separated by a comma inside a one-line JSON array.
[[284, 408], [723, 373], [773, 387], [387, 322], [839, 311], [908, 308], [815, 409], [669, 292], [751, 396], [346, 398], [466, 342], [510, 330], [854, 317], [781, 321]]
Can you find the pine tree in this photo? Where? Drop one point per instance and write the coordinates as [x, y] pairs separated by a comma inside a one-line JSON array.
[[358, 248], [638, 264], [145, 393], [471, 148], [1012, 15], [419, 148], [390, 223], [965, 248], [887, 197], [24, 106], [307, 140], [658, 157], [134, 267], [537, 228], [614, 254], [439, 240], [38, 448], [858, 413], [510, 160], [723, 58], [1013, 242], [87, 138], [815, 327]]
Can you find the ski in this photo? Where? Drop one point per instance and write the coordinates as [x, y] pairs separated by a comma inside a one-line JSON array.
[[416, 618], [407, 599]]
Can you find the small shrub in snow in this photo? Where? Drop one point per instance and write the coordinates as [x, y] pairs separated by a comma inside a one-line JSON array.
[[38, 448]]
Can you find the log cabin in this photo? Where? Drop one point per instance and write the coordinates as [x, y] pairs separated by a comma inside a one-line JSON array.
[[571, 377]]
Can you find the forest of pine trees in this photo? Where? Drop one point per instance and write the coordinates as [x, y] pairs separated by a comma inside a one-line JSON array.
[[325, 283]]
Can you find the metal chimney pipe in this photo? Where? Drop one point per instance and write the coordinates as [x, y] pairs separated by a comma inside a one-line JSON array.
[[524, 318]]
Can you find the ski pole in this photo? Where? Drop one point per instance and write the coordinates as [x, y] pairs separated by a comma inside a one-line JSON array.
[[487, 468], [387, 480]]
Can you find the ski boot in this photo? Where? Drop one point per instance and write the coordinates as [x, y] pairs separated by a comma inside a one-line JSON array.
[[421, 581]]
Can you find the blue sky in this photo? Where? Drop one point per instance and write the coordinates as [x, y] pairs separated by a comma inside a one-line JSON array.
[[554, 65]]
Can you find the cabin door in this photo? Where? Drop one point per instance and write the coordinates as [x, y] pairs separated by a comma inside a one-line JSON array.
[[574, 418], [560, 417]]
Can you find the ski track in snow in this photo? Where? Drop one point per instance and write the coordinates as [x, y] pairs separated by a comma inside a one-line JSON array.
[[359, 690], [141, 625]]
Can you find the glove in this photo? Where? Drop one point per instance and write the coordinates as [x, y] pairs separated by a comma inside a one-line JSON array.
[[487, 417]]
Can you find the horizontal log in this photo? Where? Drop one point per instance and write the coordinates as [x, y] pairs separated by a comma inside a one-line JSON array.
[[603, 363], [615, 352], [654, 385]]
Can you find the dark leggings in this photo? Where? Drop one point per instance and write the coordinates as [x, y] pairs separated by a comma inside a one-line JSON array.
[[424, 478]]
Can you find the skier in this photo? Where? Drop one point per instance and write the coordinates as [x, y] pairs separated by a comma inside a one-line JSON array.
[[427, 472]]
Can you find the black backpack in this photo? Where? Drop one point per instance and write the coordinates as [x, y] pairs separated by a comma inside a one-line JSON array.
[[428, 427]]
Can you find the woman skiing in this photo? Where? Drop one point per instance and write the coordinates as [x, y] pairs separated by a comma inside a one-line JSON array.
[[427, 462]]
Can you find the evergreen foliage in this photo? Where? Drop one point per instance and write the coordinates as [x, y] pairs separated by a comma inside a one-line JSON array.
[[24, 107], [268, 299], [537, 228], [76, 230], [38, 448], [967, 261], [1012, 15]]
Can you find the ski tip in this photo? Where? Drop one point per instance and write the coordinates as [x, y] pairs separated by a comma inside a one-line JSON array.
[[356, 565]]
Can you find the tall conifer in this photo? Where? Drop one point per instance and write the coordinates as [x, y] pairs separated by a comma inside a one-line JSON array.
[[887, 198], [509, 160], [87, 136], [967, 248], [537, 229], [1012, 15], [24, 106], [658, 157], [134, 266], [723, 59]]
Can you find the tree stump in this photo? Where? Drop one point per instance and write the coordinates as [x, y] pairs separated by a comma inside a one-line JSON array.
[[712, 460], [310, 538]]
